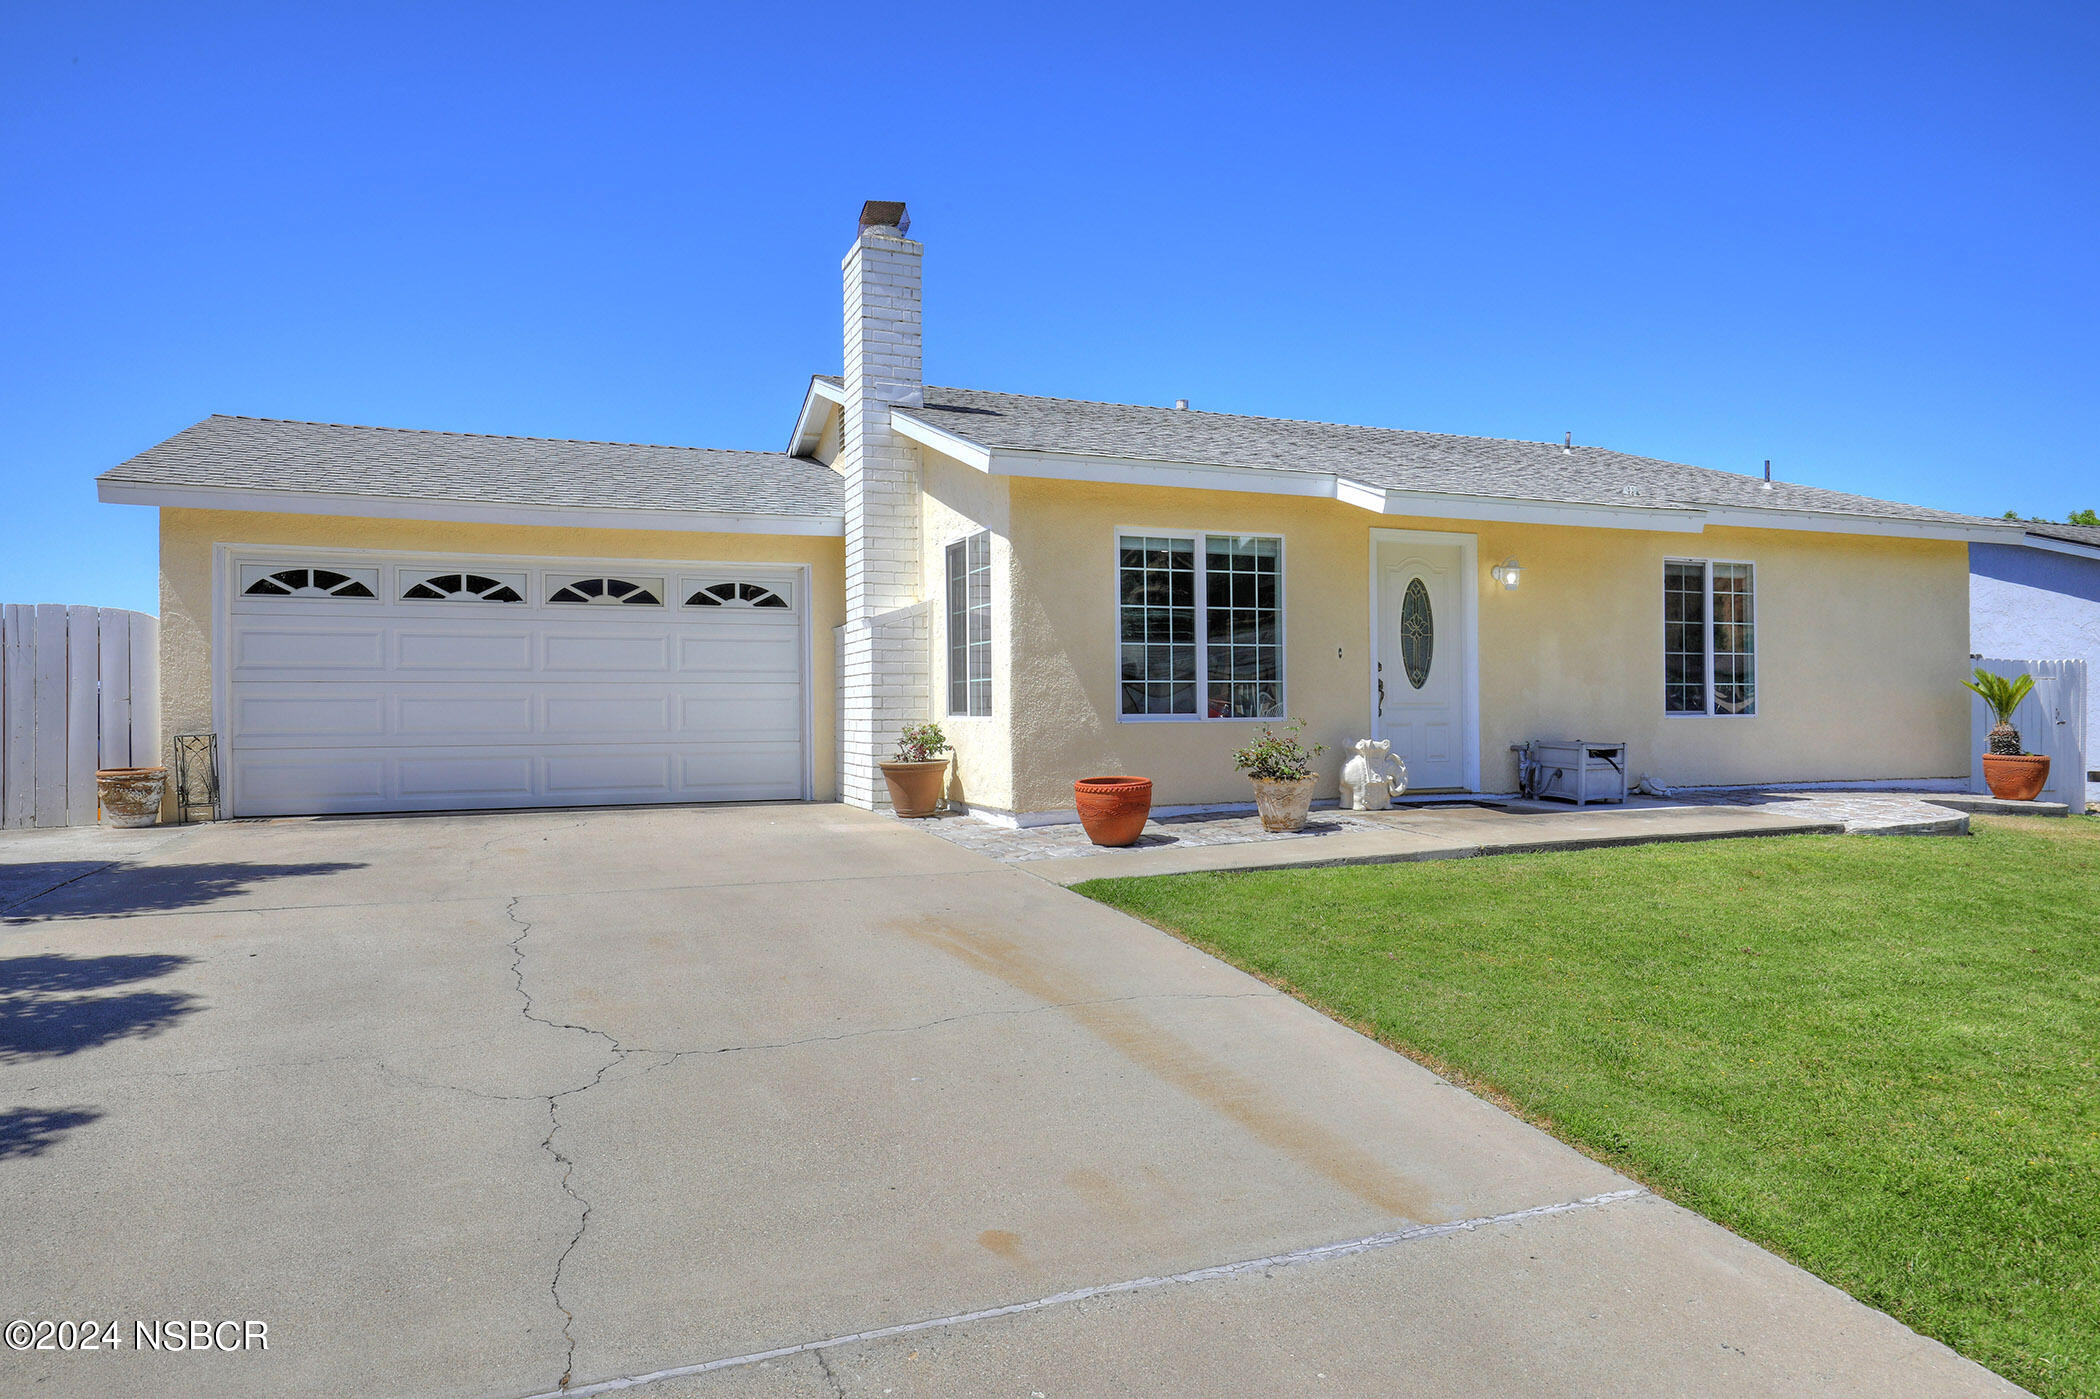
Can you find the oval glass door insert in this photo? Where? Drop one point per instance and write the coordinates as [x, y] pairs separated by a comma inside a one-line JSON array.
[[1417, 633]]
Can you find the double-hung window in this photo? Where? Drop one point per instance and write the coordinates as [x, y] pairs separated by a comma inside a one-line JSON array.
[[970, 625], [1709, 638], [1200, 626]]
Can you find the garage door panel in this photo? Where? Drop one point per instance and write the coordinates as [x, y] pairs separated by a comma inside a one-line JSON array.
[[613, 650], [737, 772], [470, 654], [772, 713], [266, 648], [312, 718], [280, 783], [386, 705], [464, 778], [613, 715], [770, 657], [636, 776], [469, 717]]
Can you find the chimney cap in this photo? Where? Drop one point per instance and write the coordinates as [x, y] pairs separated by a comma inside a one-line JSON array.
[[1182, 404], [884, 213]]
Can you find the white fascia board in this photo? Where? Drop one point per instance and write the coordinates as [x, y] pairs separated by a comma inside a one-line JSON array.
[[1820, 522], [1669, 519], [941, 440], [2054, 546], [817, 404], [466, 512]]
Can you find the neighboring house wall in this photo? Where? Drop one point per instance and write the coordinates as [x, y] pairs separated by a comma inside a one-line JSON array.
[[1861, 646], [2036, 605], [188, 536], [957, 503]]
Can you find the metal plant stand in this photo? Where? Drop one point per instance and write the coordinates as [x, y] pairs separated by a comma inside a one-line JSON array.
[[196, 776]]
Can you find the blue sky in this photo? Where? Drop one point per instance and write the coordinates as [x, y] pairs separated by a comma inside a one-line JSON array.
[[1859, 241]]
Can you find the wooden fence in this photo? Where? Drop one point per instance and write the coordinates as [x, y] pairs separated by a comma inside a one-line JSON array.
[[2051, 720], [79, 690]]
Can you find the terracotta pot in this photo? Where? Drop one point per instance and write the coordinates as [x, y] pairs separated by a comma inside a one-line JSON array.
[[131, 796], [2013, 779], [916, 789], [1113, 809], [1283, 804]]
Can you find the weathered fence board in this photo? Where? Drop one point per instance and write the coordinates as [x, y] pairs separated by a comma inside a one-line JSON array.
[[2051, 721], [78, 691]]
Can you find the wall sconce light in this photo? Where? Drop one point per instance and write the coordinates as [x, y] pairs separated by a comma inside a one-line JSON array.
[[1507, 573]]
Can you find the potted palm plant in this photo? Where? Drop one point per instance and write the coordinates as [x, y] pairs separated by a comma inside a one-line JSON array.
[[1281, 766], [2012, 773], [917, 776]]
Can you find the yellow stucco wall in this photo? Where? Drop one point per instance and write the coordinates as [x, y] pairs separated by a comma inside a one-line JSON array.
[[956, 502], [1861, 644], [187, 538]]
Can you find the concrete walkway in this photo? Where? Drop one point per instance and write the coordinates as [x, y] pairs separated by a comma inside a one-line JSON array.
[[783, 1101], [1456, 828]]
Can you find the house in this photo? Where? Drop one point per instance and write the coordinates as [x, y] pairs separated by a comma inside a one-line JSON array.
[[2038, 598], [373, 619]]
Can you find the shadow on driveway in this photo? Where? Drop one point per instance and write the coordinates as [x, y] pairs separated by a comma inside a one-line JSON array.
[[43, 1014], [32, 1131], [96, 889]]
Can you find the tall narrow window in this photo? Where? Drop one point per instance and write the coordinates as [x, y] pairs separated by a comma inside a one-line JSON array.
[[970, 625], [1709, 638], [1200, 626]]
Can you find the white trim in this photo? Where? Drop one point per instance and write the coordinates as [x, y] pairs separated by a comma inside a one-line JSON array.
[[1756, 640], [809, 422], [1469, 608], [1826, 522], [2054, 546], [279, 502], [227, 555], [1283, 649], [944, 442], [1393, 500]]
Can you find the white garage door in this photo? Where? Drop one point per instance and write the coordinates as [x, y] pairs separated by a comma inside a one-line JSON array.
[[417, 683]]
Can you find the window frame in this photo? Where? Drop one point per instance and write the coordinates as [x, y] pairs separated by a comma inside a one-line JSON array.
[[1201, 541], [1707, 685], [951, 647]]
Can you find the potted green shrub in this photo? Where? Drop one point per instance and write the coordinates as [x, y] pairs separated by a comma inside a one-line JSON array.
[[2012, 773], [917, 776], [1281, 766]]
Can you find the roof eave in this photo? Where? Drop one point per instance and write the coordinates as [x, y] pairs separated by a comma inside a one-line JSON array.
[[116, 491], [818, 403]]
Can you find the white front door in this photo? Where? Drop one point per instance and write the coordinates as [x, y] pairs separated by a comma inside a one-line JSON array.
[[1421, 661]]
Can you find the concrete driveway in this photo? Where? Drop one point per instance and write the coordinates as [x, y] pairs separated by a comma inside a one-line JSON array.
[[483, 1105]]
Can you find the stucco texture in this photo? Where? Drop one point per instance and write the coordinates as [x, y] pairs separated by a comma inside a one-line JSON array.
[[187, 538], [1861, 644], [956, 503]]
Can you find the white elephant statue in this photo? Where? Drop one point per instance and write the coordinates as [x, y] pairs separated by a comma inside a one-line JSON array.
[[1372, 778]]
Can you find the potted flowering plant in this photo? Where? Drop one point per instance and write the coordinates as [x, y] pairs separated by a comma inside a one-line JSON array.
[[1281, 766], [2012, 773], [917, 776]]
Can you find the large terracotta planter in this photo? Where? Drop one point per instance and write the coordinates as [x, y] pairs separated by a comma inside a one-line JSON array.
[[2015, 779], [916, 788], [1113, 809], [130, 796], [1283, 805]]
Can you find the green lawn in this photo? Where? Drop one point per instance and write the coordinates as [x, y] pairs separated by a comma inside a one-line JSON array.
[[1875, 1056]]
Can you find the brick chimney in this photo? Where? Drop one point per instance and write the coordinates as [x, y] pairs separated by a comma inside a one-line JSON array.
[[885, 658]]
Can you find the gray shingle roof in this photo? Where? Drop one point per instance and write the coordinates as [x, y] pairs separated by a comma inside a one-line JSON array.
[[271, 454], [2070, 534], [1388, 457]]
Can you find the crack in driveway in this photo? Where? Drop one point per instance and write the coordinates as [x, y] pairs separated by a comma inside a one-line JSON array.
[[567, 1163]]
